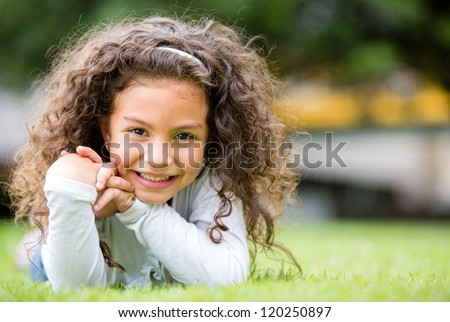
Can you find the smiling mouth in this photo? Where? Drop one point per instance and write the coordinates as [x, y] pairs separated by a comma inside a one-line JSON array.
[[154, 179]]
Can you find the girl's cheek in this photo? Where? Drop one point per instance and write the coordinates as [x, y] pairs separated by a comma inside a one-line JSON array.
[[124, 158], [134, 157], [199, 158], [189, 159], [115, 157]]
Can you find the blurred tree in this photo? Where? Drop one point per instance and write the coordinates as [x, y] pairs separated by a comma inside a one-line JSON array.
[[348, 41], [28, 29]]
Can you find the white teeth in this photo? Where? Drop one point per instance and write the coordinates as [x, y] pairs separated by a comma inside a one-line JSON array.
[[149, 178]]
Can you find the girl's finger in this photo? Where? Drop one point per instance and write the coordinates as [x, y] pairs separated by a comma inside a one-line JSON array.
[[103, 175], [119, 183], [87, 152], [63, 153], [102, 207], [112, 201]]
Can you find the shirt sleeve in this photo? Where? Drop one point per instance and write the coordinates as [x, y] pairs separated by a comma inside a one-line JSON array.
[[71, 254], [184, 247]]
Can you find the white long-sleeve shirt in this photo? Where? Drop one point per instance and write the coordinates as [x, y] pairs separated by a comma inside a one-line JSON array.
[[153, 242]]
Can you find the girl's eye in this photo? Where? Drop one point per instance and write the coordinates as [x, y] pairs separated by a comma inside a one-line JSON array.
[[185, 137], [139, 132]]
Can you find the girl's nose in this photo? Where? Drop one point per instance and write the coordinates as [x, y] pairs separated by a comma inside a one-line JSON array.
[[158, 155]]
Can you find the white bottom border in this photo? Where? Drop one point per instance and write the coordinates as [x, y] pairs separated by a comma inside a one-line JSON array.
[[230, 311]]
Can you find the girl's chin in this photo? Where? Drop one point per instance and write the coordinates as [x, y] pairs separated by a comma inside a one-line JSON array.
[[153, 199]]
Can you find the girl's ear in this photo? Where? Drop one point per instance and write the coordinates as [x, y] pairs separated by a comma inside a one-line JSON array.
[[104, 128]]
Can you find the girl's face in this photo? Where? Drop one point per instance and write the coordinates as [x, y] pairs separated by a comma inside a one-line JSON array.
[[157, 136]]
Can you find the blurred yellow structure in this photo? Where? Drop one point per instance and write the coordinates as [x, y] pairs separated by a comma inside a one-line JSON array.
[[320, 107], [393, 143]]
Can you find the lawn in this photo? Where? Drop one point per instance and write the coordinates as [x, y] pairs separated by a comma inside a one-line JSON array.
[[341, 261]]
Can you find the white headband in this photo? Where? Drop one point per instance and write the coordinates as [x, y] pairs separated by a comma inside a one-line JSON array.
[[184, 54]]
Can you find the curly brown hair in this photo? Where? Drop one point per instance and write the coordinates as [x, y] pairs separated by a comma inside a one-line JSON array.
[[89, 72]]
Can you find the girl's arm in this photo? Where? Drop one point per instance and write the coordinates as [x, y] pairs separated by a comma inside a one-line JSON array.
[[71, 254], [184, 247]]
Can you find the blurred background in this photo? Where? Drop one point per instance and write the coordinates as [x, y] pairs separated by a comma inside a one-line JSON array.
[[367, 91]]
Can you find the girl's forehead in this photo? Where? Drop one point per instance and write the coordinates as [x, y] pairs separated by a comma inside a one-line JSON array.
[[174, 99], [183, 88]]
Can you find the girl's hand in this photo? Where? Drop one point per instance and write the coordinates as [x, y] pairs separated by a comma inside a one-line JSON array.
[[115, 194], [74, 167], [117, 197], [106, 171]]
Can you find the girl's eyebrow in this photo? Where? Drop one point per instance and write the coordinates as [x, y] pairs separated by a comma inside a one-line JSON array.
[[191, 126]]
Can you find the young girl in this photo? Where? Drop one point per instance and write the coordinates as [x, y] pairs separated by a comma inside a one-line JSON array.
[[155, 158]]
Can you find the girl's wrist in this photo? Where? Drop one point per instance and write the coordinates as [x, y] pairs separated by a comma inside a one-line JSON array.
[[70, 187], [134, 213]]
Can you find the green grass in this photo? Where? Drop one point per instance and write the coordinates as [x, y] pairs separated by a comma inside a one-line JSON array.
[[365, 261]]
